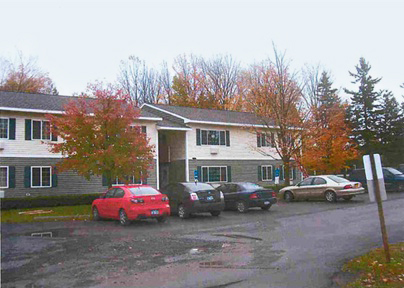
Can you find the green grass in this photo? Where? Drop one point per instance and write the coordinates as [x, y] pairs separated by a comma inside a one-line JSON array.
[[373, 270], [59, 213]]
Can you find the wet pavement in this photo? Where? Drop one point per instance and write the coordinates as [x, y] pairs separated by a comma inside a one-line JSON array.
[[302, 244]]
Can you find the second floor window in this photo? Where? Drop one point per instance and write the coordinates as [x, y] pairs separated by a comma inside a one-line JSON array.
[[265, 139], [212, 137], [3, 128], [41, 130]]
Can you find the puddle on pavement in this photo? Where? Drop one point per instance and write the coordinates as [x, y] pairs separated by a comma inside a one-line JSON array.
[[237, 236], [51, 233], [192, 254]]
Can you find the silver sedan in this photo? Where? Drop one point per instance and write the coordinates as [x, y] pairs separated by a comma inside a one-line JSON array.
[[328, 187]]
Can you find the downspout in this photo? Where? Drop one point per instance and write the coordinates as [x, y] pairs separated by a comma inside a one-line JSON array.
[[186, 158]]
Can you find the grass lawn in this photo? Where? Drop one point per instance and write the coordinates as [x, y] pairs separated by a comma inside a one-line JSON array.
[[46, 214], [375, 272]]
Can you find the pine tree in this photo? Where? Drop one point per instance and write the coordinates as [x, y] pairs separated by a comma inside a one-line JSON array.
[[364, 110], [327, 98]]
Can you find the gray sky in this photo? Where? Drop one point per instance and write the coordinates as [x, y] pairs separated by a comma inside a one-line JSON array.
[[80, 41]]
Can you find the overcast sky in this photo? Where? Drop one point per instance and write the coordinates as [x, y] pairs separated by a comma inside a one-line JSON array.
[[80, 41]]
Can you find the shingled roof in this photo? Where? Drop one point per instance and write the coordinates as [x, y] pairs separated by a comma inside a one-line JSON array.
[[199, 115], [41, 103]]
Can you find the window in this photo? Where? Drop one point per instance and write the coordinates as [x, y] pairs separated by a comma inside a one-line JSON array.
[[129, 179], [266, 172], [319, 181], [41, 130], [265, 139], [41, 176], [306, 182], [3, 176], [4, 128], [142, 191], [213, 137], [214, 174]]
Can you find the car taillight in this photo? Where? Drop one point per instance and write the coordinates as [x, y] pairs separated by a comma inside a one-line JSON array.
[[137, 200], [164, 199], [221, 195], [274, 194], [194, 196], [254, 196], [349, 186]]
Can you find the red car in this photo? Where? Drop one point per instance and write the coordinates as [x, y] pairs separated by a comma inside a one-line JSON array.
[[126, 203]]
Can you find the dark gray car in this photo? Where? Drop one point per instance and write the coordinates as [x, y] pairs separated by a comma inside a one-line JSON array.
[[187, 198]]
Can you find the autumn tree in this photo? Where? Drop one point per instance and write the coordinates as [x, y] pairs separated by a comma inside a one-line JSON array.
[[274, 94], [100, 137], [24, 76], [327, 146], [363, 111]]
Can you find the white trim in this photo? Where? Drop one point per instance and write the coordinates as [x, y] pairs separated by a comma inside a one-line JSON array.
[[32, 110], [262, 173], [207, 137], [8, 128], [186, 158], [7, 177], [165, 111], [41, 128], [157, 161], [236, 159], [219, 173], [30, 156], [150, 118], [40, 180], [231, 124], [174, 128]]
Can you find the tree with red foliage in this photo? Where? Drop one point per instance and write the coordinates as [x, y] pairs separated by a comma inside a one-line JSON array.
[[100, 137]]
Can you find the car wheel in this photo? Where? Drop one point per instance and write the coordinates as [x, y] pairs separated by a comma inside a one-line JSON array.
[[288, 197], [182, 213], [123, 218], [241, 207], [330, 196], [215, 213], [266, 207], [347, 198], [96, 214], [161, 219]]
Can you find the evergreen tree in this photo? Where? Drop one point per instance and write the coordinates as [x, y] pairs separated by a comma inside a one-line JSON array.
[[364, 110], [328, 98], [391, 130]]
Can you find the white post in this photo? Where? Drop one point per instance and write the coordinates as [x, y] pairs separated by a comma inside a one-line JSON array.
[[157, 160], [186, 158]]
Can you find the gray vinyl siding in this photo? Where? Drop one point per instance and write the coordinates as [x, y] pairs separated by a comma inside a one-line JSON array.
[[69, 182], [241, 170]]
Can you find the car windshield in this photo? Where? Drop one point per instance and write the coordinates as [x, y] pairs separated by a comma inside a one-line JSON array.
[[140, 191], [250, 186], [394, 171], [337, 179], [198, 186]]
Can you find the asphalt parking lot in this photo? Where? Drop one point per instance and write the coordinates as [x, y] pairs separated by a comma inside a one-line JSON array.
[[202, 251]]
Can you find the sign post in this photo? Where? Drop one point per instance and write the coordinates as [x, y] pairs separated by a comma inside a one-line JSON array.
[[196, 176], [375, 181], [277, 172]]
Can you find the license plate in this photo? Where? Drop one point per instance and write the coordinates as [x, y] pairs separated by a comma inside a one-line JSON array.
[[266, 202], [209, 198], [154, 212], [356, 185]]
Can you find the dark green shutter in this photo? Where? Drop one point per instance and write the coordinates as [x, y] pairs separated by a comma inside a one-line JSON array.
[[260, 173], [228, 173], [144, 129], [27, 176], [198, 137], [54, 133], [104, 180], [11, 133], [258, 140], [273, 172], [54, 177], [281, 176], [199, 169], [227, 138], [11, 177], [27, 129]]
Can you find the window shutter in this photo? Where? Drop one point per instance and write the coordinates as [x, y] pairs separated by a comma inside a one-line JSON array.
[[11, 133], [273, 172], [258, 139], [227, 138], [54, 177], [27, 176], [11, 177], [104, 180], [198, 137], [260, 173], [199, 169], [228, 173], [54, 133], [281, 172], [144, 129], [27, 129]]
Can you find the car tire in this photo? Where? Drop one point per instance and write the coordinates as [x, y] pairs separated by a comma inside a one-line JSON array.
[[182, 212], [347, 198], [241, 206], [96, 214], [123, 218], [215, 213], [330, 196], [161, 219], [266, 207], [288, 196]]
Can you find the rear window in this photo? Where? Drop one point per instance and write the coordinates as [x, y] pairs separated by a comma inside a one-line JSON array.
[[337, 179], [198, 186], [140, 191], [250, 186], [394, 171]]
